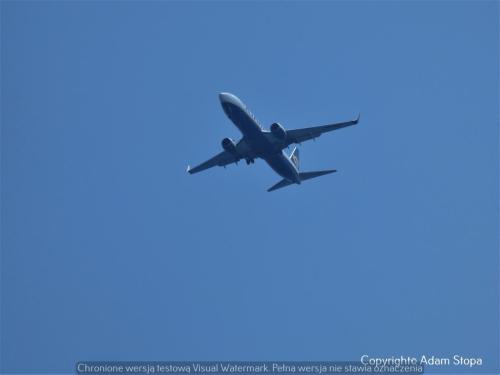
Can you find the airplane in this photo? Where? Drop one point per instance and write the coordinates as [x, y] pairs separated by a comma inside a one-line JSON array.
[[266, 144]]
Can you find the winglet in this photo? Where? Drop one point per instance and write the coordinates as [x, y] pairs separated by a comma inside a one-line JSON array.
[[188, 170], [357, 118]]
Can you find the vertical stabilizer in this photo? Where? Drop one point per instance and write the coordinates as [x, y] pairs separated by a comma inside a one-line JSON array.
[[294, 157]]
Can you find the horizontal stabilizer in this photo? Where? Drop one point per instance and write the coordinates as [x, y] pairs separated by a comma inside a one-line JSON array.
[[308, 175], [280, 184], [303, 176]]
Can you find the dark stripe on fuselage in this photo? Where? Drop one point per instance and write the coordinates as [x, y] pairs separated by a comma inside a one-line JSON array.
[[243, 121], [256, 139]]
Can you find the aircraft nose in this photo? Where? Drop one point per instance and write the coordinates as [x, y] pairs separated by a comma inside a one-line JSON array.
[[228, 99], [224, 97]]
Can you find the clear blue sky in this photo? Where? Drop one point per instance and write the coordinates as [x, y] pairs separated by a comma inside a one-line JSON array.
[[111, 251]]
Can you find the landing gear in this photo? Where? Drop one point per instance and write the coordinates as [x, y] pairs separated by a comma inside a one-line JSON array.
[[250, 161]]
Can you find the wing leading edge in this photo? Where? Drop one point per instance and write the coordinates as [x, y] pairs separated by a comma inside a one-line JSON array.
[[305, 134]]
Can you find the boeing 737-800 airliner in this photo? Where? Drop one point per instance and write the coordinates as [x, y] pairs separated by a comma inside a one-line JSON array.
[[266, 144]]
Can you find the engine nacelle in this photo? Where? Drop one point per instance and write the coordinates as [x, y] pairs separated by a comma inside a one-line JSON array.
[[229, 145], [278, 131]]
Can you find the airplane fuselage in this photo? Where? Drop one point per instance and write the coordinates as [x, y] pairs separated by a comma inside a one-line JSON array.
[[259, 140]]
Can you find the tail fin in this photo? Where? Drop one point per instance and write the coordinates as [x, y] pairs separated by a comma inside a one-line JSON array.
[[294, 157]]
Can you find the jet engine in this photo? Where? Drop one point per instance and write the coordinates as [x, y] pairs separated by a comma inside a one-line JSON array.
[[229, 145], [278, 131]]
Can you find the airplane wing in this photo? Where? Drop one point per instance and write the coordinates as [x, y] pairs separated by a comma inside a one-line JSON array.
[[304, 134], [224, 158], [221, 159]]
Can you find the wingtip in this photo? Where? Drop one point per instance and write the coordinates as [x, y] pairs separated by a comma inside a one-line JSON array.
[[357, 118], [188, 169]]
